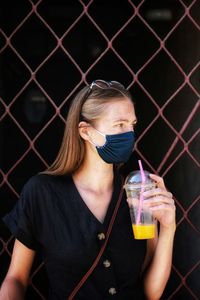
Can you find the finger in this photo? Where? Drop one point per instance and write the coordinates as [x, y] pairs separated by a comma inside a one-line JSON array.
[[157, 191], [163, 207], [158, 200], [159, 180]]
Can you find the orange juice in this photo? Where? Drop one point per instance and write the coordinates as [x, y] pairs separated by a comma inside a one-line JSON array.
[[143, 231]]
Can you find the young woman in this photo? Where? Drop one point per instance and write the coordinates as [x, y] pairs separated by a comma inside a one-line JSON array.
[[65, 212]]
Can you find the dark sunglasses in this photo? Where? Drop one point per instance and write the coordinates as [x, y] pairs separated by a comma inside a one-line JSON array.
[[102, 84]]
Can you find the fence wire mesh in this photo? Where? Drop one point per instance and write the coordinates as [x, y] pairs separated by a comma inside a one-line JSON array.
[[49, 49]]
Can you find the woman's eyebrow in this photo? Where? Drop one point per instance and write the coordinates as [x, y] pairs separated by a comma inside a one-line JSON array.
[[125, 120]]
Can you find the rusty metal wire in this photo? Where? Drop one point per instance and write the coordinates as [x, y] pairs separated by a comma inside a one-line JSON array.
[[136, 79]]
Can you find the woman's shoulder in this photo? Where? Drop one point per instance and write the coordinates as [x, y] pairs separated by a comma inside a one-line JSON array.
[[38, 180], [44, 182]]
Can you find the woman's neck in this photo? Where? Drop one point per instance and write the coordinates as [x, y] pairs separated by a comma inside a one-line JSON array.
[[97, 176]]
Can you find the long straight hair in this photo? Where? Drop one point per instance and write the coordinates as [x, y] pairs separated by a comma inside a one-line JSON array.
[[88, 105]]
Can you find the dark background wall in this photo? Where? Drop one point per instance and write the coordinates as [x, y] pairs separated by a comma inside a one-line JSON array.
[[50, 48]]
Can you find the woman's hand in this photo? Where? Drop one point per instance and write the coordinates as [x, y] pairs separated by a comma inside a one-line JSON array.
[[161, 202]]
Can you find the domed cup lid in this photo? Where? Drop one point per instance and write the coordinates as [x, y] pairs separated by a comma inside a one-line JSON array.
[[135, 179]]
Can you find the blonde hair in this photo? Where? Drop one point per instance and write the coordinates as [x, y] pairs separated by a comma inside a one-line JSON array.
[[88, 105]]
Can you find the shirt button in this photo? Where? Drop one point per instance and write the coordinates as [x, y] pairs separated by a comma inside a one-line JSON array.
[[112, 291], [101, 236], [106, 263]]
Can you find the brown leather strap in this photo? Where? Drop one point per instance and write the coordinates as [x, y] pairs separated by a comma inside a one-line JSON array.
[[85, 277]]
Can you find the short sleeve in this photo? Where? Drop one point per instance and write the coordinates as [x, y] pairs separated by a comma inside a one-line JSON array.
[[20, 220]]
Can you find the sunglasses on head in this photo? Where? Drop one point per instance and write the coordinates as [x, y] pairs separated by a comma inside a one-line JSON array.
[[102, 84]]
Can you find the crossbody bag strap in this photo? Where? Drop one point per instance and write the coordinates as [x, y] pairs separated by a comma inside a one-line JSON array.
[[89, 272]]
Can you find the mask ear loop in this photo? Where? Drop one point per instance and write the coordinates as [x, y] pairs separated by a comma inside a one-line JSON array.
[[91, 142], [102, 134]]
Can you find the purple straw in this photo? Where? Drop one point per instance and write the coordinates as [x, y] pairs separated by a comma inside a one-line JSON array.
[[141, 193]]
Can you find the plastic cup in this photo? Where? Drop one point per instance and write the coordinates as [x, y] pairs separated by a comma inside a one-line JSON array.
[[143, 222]]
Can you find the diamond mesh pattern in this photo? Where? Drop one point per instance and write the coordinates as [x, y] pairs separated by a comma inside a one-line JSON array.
[[48, 49]]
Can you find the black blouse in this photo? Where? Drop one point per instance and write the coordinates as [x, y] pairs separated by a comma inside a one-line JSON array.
[[51, 217]]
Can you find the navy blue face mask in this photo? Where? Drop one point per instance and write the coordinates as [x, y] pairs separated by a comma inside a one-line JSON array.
[[117, 148]]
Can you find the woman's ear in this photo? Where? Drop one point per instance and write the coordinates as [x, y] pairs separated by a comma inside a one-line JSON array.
[[83, 130]]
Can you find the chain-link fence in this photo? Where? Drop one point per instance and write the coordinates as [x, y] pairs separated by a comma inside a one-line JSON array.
[[49, 49]]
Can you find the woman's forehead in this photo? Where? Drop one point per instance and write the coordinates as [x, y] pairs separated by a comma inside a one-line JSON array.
[[119, 110]]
